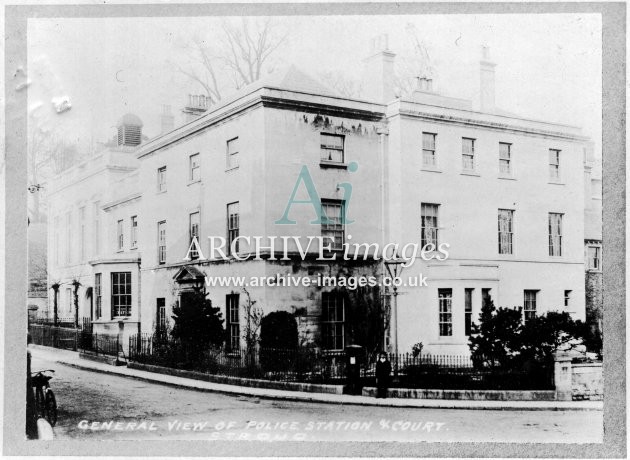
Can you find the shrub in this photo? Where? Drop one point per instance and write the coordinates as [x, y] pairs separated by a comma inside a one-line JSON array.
[[198, 325], [494, 342], [279, 330]]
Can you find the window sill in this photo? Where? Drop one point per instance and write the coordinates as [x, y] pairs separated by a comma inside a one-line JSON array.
[[448, 340], [194, 182], [118, 251], [470, 173], [431, 169], [159, 192], [332, 164], [234, 168], [133, 248], [506, 177], [556, 182]]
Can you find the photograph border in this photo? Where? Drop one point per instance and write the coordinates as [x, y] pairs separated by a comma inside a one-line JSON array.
[[614, 244]]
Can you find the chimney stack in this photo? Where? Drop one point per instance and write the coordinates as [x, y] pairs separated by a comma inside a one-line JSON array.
[[378, 78], [425, 84], [486, 93], [167, 120]]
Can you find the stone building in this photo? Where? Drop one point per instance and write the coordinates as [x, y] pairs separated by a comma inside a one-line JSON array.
[[593, 241], [505, 195]]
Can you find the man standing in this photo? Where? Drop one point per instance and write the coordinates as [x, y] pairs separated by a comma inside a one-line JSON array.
[[383, 370]]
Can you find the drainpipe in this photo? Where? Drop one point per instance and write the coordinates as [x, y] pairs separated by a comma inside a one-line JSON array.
[[383, 133]]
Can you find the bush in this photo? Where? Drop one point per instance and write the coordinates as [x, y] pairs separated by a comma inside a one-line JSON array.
[[279, 330], [198, 326], [495, 341]]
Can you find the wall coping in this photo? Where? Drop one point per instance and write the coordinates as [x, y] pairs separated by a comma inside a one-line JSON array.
[[474, 395], [255, 383]]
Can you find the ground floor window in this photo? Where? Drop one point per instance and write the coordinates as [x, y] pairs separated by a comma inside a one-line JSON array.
[[529, 304], [161, 314], [333, 320], [121, 294], [468, 292], [445, 300], [233, 323], [98, 295], [485, 296]]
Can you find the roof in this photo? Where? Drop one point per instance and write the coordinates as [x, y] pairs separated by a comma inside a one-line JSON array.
[[188, 273], [130, 119], [293, 79]]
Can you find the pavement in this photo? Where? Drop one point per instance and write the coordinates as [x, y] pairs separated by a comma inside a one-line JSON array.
[[71, 358]]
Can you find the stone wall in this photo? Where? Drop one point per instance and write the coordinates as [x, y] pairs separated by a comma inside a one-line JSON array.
[[587, 381]]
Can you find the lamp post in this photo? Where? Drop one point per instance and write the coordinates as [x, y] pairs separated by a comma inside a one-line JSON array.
[[55, 288], [394, 268]]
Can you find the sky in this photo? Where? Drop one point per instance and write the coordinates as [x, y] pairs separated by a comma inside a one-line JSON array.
[[548, 65]]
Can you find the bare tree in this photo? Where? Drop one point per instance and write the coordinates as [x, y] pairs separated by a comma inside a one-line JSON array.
[[242, 52], [253, 316], [342, 84], [416, 64]]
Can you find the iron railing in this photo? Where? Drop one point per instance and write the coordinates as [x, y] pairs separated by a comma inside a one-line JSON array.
[[293, 365], [75, 339]]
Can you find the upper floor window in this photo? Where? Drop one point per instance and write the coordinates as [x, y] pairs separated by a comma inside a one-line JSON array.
[[97, 225], [332, 147], [195, 170], [428, 149], [119, 236], [445, 299], [193, 232], [162, 242], [68, 237], [121, 294], [57, 243], [134, 232], [594, 258], [429, 223], [555, 234], [82, 232], [161, 179], [233, 225], [332, 222], [506, 231], [529, 300], [554, 164], [505, 158], [232, 153], [468, 154], [333, 320]]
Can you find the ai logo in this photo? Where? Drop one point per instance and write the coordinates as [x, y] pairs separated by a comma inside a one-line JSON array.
[[314, 199]]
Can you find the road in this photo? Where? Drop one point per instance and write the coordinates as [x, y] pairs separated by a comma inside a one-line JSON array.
[[100, 406]]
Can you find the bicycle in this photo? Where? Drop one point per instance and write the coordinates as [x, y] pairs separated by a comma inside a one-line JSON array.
[[45, 402]]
